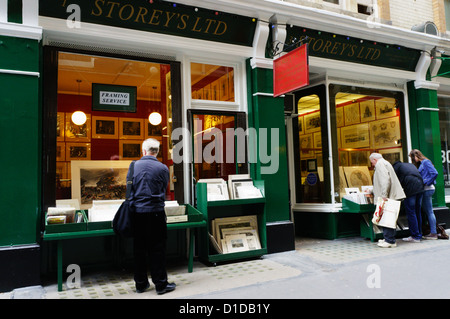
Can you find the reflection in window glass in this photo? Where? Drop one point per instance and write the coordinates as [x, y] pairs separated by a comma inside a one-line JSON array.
[[116, 98], [444, 120], [212, 82], [310, 150], [364, 124], [211, 146]]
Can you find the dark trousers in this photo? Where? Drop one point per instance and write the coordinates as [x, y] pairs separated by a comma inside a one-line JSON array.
[[150, 241]]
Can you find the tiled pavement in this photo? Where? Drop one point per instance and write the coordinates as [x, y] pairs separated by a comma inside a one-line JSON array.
[[205, 279]]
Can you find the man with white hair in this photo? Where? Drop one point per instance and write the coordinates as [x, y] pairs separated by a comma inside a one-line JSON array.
[[150, 180], [385, 185]]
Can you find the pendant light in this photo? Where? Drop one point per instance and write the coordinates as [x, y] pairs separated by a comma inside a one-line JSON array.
[[79, 117]]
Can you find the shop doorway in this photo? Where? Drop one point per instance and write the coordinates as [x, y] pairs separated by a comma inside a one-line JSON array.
[[122, 101]]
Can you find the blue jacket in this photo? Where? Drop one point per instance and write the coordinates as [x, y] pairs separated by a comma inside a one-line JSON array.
[[150, 181], [428, 172]]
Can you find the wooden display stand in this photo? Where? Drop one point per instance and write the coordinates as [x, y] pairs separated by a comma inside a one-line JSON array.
[[230, 208]]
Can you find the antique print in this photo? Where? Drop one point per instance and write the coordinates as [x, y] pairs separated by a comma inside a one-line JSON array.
[[339, 116], [60, 126], [77, 133], [224, 88], [105, 127], [351, 114], [317, 141], [357, 176], [98, 180], [312, 122], [385, 133], [130, 150], [60, 152], [131, 128], [392, 155], [367, 110], [78, 151], [306, 146], [385, 107], [152, 130], [355, 136], [359, 158], [301, 125]]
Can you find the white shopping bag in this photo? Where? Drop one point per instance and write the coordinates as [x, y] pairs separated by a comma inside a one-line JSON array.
[[386, 213]]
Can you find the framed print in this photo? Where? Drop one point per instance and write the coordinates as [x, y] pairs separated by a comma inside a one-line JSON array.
[[152, 130], [130, 150], [223, 88], [60, 152], [301, 125], [317, 141], [206, 92], [367, 110], [130, 128], [357, 176], [344, 158], [115, 98], [78, 151], [359, 158], [351, 114], [99, 180], [385, 133], [306, 146], [215, 90], [385, 107], [60, 128], [105, 127], [355, 136], [227, 223], [231, 85], [312, 122], [339, 116], [342, 182], [392, 155], [77, 133]]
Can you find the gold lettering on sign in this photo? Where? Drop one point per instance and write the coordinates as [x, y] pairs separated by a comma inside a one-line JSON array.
[[161, 18]]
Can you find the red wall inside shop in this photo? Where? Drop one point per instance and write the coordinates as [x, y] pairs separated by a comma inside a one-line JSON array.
[[105, 149]]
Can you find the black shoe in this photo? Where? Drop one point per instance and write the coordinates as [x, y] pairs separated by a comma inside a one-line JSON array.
[[139, 291], [169, 287]]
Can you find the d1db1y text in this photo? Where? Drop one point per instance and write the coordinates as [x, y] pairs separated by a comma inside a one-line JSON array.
[[237, 308]]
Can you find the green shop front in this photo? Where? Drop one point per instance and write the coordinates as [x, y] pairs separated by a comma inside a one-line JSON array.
[[120, 66], [364, 96]]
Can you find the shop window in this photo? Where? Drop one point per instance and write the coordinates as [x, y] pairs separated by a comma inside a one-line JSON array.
[[218, 151], [212, 82], [444, 120], [310, 154], [121, 102], [365, 123]]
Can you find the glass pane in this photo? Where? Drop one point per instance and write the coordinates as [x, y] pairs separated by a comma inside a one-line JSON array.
[[117, 97], [212, 82], [310, 150], [214, 148], [364, 124], [444, 125]]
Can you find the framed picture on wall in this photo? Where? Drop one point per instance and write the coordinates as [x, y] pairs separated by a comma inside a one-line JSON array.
[[385, 133], [357, 176], [392, 155], [60, 152], [78, 151], [105, 127], [223, 88], [312, 122], [385, 107], [355, 136], [367, 110], [130, 150], [351, 114], [301, 125], [60, 128], [77, 133], [151, 130], [130, 128], [99, 180], [340, 116], [306, 146]]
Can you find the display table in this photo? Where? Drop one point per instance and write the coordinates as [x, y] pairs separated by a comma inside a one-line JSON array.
[[195, 220]]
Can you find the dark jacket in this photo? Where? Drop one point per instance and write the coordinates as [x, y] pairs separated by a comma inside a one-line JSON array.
[[409, 177], [150, 181]]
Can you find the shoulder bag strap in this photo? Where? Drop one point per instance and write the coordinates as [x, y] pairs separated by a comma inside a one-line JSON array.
[[130, 181]]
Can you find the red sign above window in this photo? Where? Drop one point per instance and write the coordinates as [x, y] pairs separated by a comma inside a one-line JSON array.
[[291, 71]]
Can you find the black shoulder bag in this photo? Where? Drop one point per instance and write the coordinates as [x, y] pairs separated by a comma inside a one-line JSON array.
[[122, 223]]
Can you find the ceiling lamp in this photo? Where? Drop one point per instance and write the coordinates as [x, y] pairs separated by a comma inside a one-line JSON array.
[[79, 117], [155, 118]]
